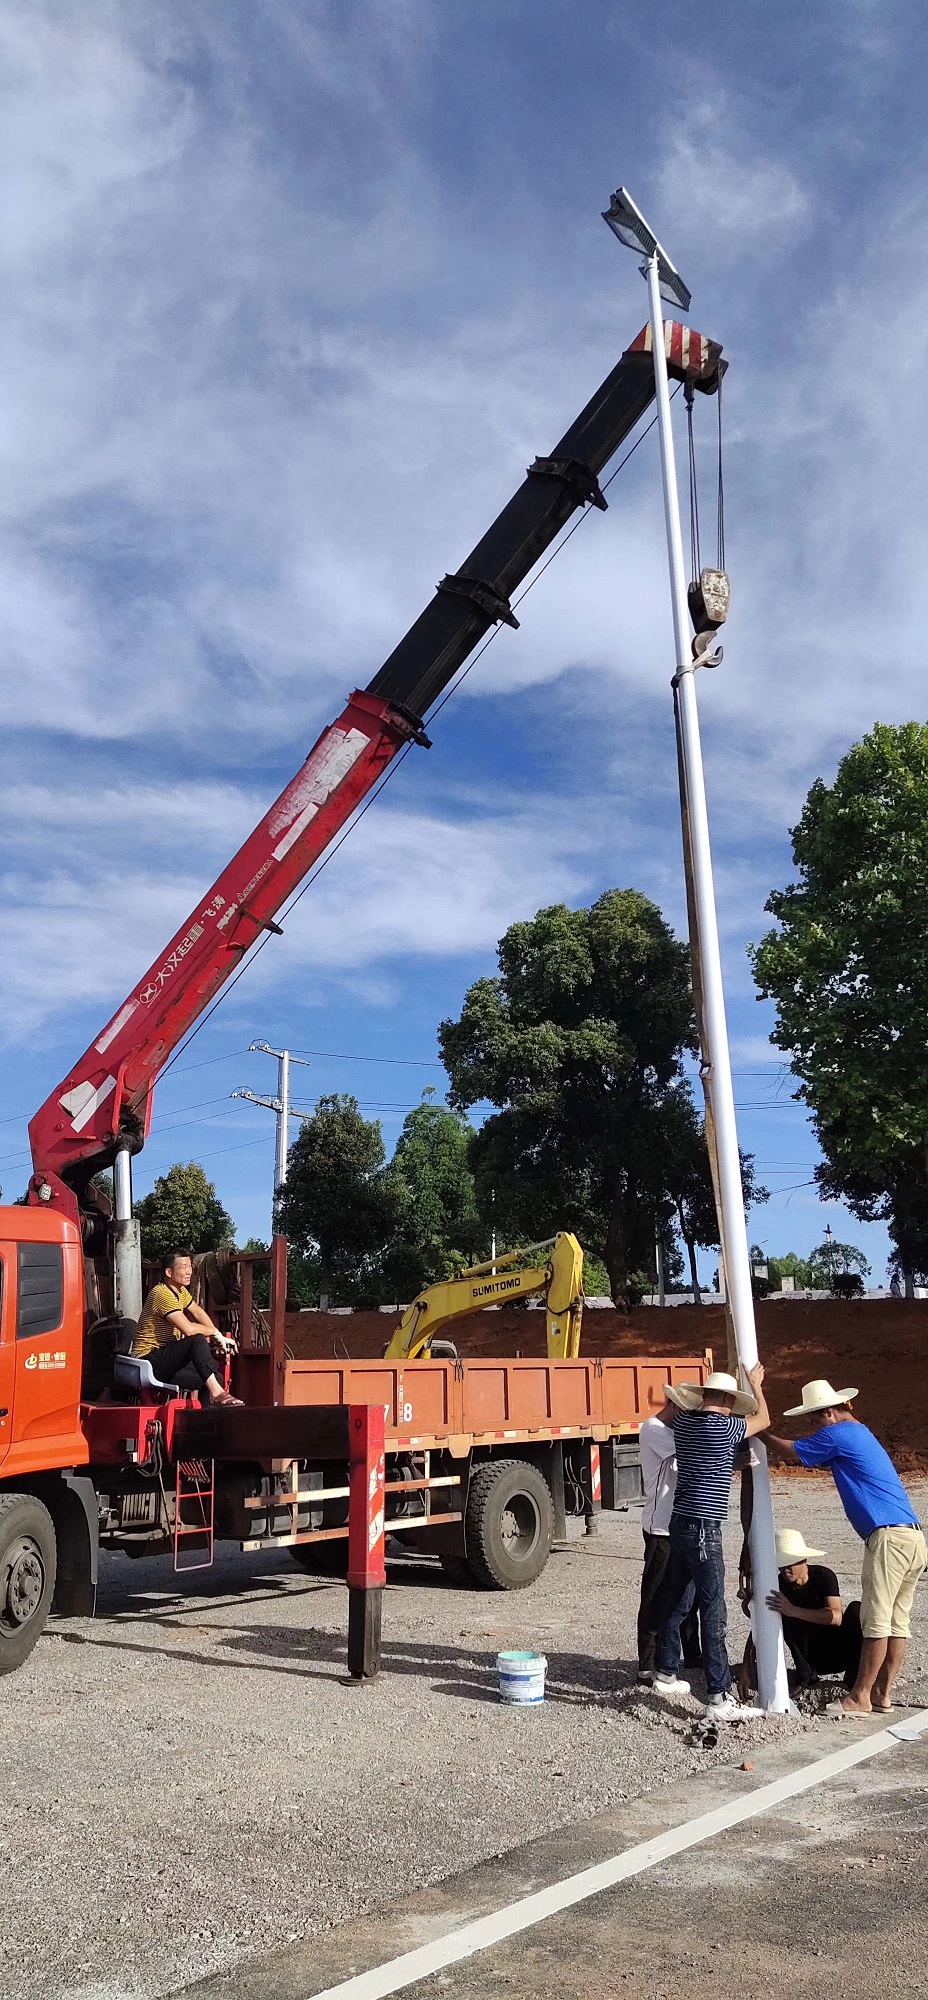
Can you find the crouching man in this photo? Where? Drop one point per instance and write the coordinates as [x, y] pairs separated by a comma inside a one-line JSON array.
[[822, 1637]]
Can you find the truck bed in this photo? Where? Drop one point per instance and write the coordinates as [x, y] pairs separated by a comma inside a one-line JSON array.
[[488, 1401]]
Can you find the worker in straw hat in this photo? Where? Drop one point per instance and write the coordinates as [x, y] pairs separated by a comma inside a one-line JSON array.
[[822, 1637], [879, 1509], [714, 1419]]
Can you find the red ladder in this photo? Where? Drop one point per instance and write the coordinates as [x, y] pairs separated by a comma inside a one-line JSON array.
[[194, 1494]]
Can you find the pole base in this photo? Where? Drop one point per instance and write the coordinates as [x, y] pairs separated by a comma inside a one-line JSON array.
[[365, 1620]]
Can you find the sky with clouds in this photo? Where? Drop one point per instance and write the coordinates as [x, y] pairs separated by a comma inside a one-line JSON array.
[[293, 291]]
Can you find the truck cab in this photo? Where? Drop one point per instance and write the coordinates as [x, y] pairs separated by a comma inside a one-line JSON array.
[[41, 1342]]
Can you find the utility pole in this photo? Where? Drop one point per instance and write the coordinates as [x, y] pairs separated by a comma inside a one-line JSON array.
[[659, 1259], [280, 1104], [663, 280]]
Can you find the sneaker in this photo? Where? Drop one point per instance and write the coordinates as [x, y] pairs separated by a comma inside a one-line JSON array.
[[645, 1677], [725, 1707], [669, 1684]]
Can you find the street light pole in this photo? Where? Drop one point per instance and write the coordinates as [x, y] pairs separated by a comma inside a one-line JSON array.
[[766, 1624]]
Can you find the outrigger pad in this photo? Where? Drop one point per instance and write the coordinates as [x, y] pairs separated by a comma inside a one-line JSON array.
[[285, 1430]]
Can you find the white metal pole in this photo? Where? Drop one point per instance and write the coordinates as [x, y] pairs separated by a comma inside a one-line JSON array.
[[127, 1253], [283, 1119], [767, 1625]]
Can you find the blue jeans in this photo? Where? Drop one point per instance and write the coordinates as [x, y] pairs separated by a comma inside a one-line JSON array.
[[696, 1563]]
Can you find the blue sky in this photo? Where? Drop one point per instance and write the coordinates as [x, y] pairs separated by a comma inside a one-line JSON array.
[[292, 294]]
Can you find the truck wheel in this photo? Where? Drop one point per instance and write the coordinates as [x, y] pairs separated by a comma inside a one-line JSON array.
[[509, 1525], [28, 1564]]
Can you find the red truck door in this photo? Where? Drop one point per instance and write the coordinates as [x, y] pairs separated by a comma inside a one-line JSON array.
[[41, 1317], [7, 1352]]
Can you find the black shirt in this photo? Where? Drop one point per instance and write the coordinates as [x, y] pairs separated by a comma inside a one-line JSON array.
[[813, 1595], [821, 1646]]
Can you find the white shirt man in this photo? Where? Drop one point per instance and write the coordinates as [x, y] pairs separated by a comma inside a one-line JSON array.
[[659, 1477]]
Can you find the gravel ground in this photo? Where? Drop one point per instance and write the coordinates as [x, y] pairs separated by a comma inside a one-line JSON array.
[[191, 1779]]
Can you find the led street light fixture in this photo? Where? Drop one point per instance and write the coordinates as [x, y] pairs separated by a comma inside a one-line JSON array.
[[629, 225]]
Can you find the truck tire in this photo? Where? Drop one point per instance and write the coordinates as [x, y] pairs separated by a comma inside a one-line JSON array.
[[28, 1565], [509, 1525]]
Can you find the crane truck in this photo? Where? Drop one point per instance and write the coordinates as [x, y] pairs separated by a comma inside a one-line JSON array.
[[133, 1465]]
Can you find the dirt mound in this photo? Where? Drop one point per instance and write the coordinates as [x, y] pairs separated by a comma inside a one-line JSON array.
[[874, 1345]]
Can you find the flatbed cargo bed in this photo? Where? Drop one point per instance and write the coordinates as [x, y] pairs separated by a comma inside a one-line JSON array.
[[457, 1405]]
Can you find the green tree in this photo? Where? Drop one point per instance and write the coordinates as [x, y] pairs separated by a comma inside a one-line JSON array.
[[830, 1259], [848, 973], [790, 1266], [182, 1211], [338, 1207], [690, 1199], [438, 1230], [578, 1042]]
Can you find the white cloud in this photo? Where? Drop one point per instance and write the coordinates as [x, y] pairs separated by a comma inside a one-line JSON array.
[[407, 886], [717, 171]]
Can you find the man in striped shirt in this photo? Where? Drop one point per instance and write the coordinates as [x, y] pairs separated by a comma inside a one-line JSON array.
[[707, 1438]]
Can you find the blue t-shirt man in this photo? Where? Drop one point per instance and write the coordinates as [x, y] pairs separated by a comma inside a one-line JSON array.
[[871, 1491]]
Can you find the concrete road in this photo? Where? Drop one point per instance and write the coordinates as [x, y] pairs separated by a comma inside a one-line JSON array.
[[189, 1781], [824, 1894]]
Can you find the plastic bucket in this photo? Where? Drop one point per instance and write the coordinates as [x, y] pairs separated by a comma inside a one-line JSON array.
[[521, 1676]]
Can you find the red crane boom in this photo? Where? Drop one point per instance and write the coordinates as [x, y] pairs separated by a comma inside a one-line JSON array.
[[103, 1105]]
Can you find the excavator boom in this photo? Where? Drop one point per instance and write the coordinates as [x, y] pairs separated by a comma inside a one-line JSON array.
[[497, 1283], [103, 1106]]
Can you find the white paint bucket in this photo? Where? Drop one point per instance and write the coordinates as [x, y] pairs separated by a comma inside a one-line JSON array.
[[521, 1676]]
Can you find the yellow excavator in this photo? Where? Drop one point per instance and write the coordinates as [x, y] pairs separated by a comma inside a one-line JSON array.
[[560, 1277]]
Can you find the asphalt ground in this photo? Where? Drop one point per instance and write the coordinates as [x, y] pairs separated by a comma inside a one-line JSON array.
[[190, 1782], [823, 1894]]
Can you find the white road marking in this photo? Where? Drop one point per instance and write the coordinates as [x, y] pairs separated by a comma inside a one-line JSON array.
[[529, 1910]]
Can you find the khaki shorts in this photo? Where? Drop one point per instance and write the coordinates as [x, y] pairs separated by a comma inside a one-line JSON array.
[[893, 1563]]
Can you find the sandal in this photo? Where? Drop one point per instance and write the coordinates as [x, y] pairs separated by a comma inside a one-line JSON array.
[[225, 1401]]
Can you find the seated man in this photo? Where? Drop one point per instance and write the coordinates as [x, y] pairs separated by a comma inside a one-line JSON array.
[[822, 1638], [178, 1338]]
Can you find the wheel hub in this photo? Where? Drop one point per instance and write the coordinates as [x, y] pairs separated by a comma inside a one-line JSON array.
[[519, 1526], [25, 1583]]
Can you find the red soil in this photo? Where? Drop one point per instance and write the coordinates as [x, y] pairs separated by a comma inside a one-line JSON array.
[[874, 1345]]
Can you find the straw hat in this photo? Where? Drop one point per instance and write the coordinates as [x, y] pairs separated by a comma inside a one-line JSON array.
[[792, 1548], [689, 1395], [820, 1396], [686, 1395]]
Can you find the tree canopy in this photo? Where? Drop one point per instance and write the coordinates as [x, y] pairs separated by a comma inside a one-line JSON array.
[[578, 1042], [338, 1206], [437, 1228], [183, 1211], [847, 970]]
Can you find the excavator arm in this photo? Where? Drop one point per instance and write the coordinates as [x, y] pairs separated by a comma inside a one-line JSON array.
[[103, 1106], [497, 1283]]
